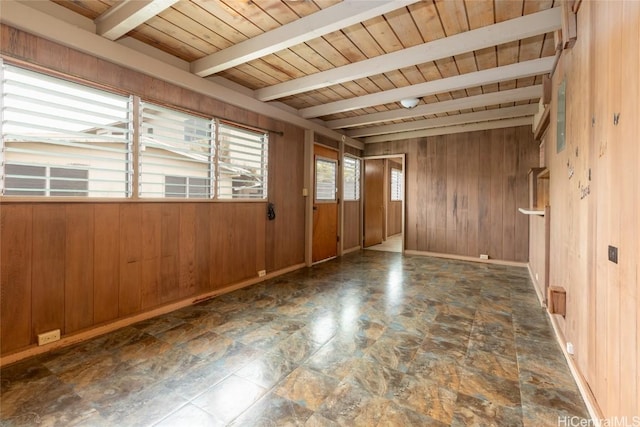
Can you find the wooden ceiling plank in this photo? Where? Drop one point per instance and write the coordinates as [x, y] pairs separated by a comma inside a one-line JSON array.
[[457, 119], [297, 61], [230, 18], [382, 82], [314, 58], [252, 13], [360, 37], [276, 67], [154, 37], [453, 16], [88, 8], [531, 92], [404, 28], [128, 15], [430, 26], [345, 46], [195, 29], [330, 54], [180, 34], [382, 33], [478, 39], [278, 10], [209, 24], [493, 75], [301, 30]]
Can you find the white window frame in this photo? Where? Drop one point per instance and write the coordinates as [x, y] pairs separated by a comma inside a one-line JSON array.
[[241, 149], [396, 184], [48, 121], [354, 186], [334, 189]]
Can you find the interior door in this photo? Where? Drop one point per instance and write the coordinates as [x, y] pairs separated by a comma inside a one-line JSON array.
[[373, 201], [325, 204]]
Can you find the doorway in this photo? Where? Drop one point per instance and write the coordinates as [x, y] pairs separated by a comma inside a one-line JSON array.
[[384, 203]]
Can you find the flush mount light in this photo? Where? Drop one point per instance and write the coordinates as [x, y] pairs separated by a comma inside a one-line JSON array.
[[409, 102]]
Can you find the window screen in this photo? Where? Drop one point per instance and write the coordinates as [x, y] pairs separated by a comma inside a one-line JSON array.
[[50, 124], [242, 163], [351, 178], [326, 179], [176, 154], [396, 184]]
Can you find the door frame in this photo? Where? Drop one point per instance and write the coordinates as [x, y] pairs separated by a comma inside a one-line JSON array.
[[402, 156]]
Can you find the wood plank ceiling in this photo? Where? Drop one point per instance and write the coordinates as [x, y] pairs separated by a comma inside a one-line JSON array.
[[350, 63]]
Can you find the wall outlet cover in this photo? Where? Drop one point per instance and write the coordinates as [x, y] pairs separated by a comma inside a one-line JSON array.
[[262, 273], [49, 337], [484, 256]]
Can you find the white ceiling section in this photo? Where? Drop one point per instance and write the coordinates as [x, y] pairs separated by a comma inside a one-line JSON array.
[[336, 67]]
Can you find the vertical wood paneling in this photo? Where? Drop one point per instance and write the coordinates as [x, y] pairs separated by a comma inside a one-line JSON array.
[[15, 276], [49, 235], [487, 164], [106, 262], [451, 184], [509, 185], [151, 254], [78, 267], [473, 176], [169, 243], [203, 251], [187, 247], [351, 237], [130, 292], [464, 191], [496, 197]]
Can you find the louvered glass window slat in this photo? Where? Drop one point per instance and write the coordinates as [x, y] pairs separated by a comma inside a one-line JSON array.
[[61, 138]]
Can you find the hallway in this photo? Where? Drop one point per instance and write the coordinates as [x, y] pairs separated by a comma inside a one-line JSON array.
[[373, 338]]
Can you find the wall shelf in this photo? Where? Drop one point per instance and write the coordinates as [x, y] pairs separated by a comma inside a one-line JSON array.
[[531, 211]]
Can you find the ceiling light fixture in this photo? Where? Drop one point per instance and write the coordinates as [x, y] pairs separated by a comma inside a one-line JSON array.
[[409, 102]]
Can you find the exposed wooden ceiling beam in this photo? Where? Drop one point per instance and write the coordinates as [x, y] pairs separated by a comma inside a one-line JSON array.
[[127, 15], [458, 119], [505, 73], [310, 27], [493, 35], [484, 100], [470, 127]]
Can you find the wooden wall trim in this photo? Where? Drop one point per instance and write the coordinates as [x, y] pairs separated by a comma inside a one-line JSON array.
[[87, 334]]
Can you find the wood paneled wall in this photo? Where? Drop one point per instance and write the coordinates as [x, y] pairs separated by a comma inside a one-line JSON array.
[[351, 229], [595, 201], [463, 192], [77, 265]]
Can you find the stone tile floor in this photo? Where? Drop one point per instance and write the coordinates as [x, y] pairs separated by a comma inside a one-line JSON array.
[[371, 339]]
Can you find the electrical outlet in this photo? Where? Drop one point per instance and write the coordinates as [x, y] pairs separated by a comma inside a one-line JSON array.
[[613, 254], [262, 273], [570, 348], [484, 256], [49, 337]]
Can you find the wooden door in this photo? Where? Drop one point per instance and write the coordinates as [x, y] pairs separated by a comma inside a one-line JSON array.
[[373, 201], [325, 204]]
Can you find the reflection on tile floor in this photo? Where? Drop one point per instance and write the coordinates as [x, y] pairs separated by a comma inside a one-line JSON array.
[[373, 338]]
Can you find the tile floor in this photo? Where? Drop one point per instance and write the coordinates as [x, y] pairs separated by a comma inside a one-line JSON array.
[[372, 339]]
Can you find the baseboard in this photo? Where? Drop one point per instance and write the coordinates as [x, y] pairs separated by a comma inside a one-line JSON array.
[[93, 332], [536, 286], [583, 387], [466, 258], [348, 251]]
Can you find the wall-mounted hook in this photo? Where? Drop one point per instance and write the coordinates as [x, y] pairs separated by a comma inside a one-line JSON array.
[[593, 121], [616, 119]]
